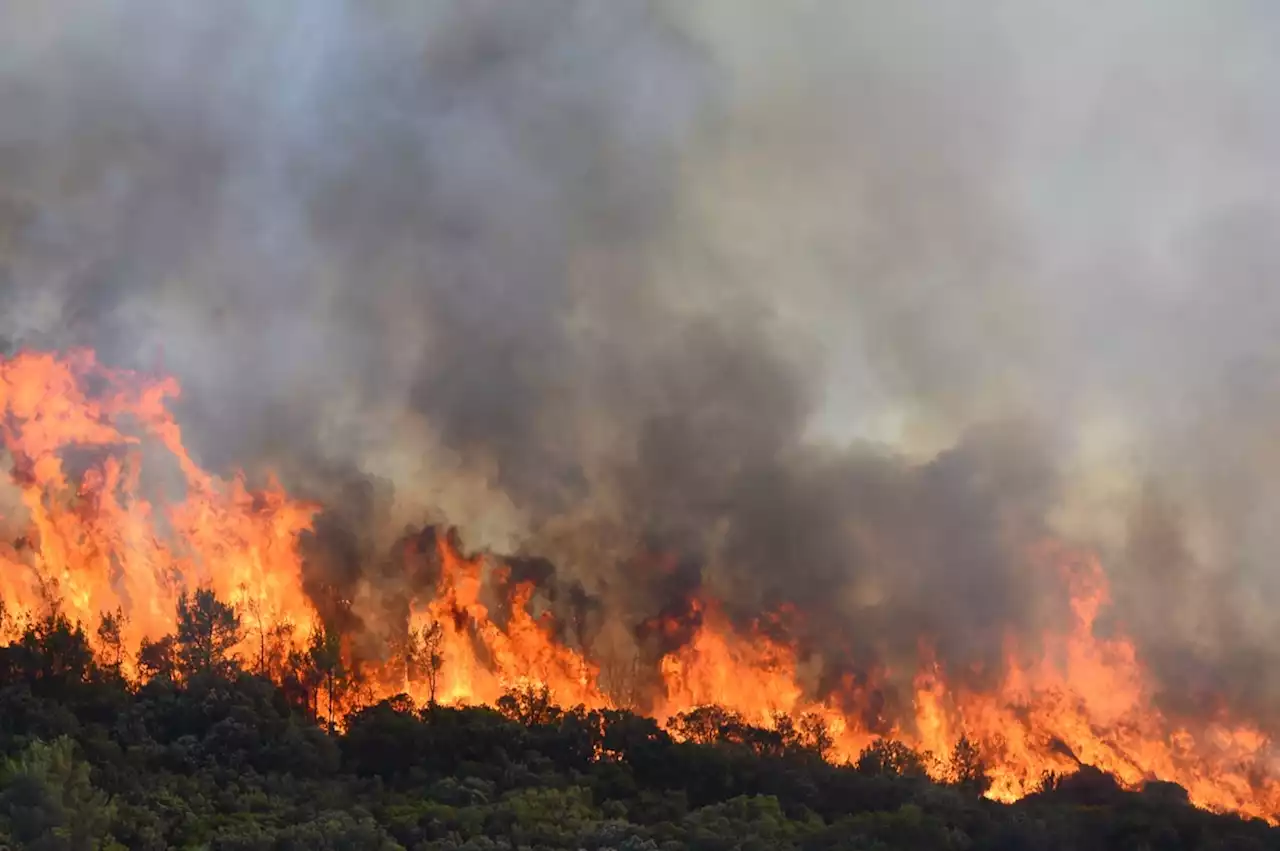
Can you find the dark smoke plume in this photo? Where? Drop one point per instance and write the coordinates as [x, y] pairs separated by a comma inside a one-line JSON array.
[[840, 306]]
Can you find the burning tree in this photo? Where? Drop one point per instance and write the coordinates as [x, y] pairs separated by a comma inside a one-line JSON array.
[[432, 658]]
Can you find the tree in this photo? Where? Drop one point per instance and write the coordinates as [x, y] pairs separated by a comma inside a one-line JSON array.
[[325, 654], [885, 757], [816, 735], [431, 658], [708, 725], [529, 704], [47, 802], [110, 636], [261, 629], [968, 769], [208, 630], [158, 659], [54, 656]]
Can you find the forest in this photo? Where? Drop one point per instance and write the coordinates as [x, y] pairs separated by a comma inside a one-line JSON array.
[[189, 747]]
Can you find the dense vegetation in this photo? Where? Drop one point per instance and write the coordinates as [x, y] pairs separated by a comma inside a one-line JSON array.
[[205, 754]]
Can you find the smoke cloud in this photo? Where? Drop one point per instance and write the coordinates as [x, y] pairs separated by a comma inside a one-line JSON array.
[[843, 307]]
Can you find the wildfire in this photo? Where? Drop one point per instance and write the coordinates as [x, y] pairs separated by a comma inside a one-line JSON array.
[[86, 534]]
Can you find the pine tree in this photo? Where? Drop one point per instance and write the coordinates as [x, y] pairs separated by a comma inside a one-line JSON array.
[[208, 630]]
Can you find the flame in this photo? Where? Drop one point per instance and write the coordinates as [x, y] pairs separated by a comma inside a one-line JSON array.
[[520, 654], [87, 533], [96, 544]]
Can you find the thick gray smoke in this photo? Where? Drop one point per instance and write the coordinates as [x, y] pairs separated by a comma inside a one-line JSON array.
[[843, 305]]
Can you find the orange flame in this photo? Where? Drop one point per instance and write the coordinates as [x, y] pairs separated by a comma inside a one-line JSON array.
[[85, 536]]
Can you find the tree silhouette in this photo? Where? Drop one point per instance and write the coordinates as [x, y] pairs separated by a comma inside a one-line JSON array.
[[968, 769], [432, 658], [529, 704], [260, 629], [816, 735], [55, 656], [158, 660], [325, 654], [886, 757], [707, 725], [110, 634], [208, 630]]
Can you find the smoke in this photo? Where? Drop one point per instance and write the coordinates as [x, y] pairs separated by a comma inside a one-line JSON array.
[[841, 306]]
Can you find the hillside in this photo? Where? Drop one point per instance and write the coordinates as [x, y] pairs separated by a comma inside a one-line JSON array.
[[204, 754]]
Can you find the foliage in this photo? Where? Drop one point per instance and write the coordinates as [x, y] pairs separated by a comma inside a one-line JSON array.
[[325, 655], [208, 629], [890, 758], [47, 801], [967, 769], [204, 754]]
